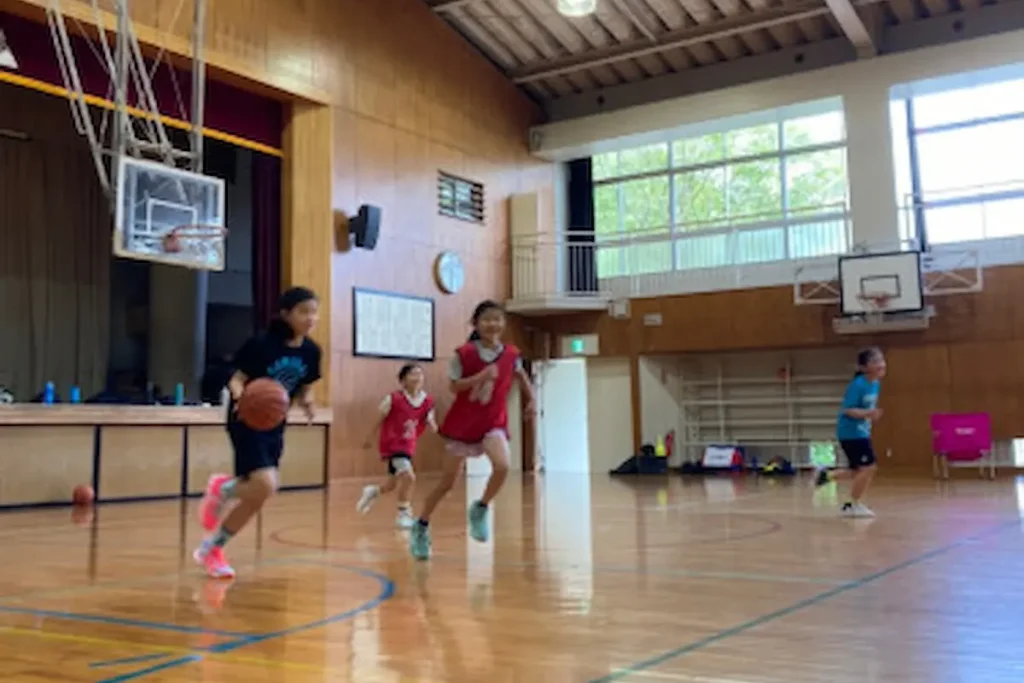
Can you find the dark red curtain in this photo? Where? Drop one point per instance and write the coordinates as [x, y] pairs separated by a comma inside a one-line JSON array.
[[266, 236], [228, 109]]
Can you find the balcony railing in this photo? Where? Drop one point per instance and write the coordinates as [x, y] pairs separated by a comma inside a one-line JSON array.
[[695, 257]]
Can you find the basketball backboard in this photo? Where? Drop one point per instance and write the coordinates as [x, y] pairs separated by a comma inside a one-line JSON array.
[[893, 276], [153, 200]]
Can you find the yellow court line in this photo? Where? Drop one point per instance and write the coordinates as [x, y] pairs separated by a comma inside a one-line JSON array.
[[112, 643], [684, 678], [50, 89]]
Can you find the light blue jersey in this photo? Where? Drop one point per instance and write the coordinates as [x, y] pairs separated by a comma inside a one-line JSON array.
[[861, 393]]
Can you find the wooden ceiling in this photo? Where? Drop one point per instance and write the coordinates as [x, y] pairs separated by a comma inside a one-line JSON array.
[[628, 41]]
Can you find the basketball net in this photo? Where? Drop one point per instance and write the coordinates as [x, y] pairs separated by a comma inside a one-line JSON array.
[[875, 306], [200, 242]]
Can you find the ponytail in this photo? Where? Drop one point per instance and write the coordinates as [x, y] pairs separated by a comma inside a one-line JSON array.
[[474, 336]]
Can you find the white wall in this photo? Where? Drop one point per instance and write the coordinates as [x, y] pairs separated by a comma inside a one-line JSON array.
[[660, 394], [609, 413]]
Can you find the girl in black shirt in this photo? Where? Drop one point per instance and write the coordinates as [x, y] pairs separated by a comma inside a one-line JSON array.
[[285, 354]]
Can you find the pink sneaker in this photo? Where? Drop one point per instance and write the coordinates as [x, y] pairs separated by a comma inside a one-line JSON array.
[[214, 562], [213, 503]]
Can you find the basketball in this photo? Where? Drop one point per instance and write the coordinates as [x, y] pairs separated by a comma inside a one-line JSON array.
[[264, 404], [82, 495]]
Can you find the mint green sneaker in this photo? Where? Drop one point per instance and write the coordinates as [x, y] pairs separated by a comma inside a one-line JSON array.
[[419, 541], [479, 527]]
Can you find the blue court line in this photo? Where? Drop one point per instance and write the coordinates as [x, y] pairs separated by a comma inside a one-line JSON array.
[[156, 668], [118, 621], [696, 645], [130, 660], [387, 590]]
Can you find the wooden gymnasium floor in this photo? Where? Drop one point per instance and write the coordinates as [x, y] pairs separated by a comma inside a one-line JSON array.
[[588, 580]]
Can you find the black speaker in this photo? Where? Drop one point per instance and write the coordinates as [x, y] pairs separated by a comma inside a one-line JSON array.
[[365, 227]]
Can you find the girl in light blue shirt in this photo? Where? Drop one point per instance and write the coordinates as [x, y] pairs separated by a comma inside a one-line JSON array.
[[858, 411]]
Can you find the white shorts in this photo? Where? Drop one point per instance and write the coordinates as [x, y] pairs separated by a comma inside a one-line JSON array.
[[461, 449]]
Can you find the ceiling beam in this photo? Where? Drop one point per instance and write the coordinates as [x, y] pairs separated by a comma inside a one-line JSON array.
[[449, 5], [853, 26], [987, 20], [687, 37], [624, 7]]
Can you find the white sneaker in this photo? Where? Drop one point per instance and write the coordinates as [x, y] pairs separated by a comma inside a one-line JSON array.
[[369, 497], [405, 519], [856, 511], [862, 511]]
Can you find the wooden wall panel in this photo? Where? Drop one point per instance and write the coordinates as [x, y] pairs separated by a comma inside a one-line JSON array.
[[406, 97], [970, 359], [378, 163], [308, 222]]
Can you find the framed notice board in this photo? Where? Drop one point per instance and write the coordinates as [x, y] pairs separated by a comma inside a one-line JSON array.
[[392, 325]]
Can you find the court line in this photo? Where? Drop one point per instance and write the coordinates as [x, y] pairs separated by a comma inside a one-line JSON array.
[[130, 660], [143, 580], [651, 662], [167, 651], [387, 590], [156, 668], [118, 621]]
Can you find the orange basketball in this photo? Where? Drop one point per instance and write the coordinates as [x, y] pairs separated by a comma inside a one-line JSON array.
[[264, 404], [82, 495]]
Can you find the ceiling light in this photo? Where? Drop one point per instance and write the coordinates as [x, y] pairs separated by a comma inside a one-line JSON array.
[[576, 8]]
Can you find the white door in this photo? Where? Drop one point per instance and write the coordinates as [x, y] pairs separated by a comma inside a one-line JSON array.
[[609, 414], [562, 398], [515, 429]]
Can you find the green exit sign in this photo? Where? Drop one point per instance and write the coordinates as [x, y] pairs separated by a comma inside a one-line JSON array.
[[576, 345]]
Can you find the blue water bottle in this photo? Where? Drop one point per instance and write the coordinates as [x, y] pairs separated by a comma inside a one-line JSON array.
[[48, 394], [179, 394], [75, 396]]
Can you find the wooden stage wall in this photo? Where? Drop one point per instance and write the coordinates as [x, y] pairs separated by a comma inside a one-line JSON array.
[[970, 359], [384, 96]]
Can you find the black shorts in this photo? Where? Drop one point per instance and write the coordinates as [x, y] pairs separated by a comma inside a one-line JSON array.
[[255, 450], [392, 470], [859, 452]]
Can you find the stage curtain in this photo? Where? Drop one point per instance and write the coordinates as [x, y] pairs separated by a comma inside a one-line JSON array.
[[55, 254]]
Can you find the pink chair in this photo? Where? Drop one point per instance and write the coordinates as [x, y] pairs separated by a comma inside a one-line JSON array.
[[962, 437]]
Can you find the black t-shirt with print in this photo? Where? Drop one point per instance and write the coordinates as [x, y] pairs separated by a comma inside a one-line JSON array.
[[270, 355]]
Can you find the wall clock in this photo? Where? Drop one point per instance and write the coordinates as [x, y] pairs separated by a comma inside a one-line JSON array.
[[449, 272]]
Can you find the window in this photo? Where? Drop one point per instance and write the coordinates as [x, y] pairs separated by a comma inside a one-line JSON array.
[[953, 138], [763, 187], [459, 198]]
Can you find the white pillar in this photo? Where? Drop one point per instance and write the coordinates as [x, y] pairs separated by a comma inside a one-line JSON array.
[[870, 163]]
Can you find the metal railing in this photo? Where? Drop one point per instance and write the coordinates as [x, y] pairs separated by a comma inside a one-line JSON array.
[[663, 261]]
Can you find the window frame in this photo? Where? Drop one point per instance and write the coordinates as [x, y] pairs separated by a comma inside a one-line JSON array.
[[786, 219], [920, 204]]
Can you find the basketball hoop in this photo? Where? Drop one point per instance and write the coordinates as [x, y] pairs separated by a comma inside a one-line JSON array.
[[198, 242], [876, 305]]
